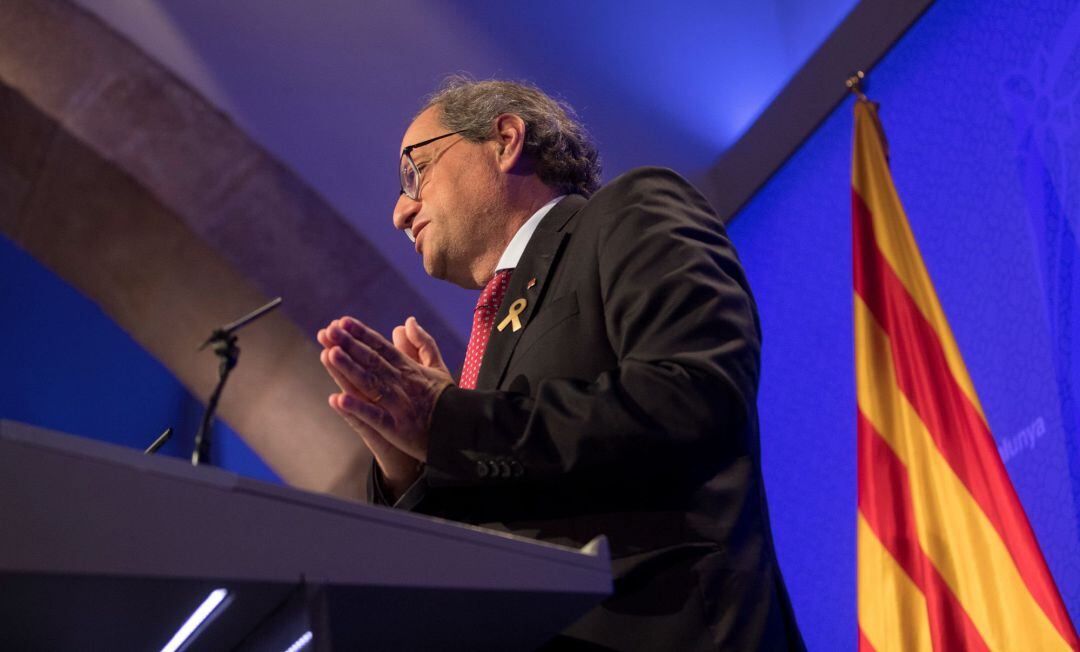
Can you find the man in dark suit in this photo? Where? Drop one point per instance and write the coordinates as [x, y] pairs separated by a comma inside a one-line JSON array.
[[611, 380]]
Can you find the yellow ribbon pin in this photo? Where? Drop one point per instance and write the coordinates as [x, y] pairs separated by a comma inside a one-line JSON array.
[[516, 308]]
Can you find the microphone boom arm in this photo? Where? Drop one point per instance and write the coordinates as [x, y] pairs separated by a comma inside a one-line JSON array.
[[223, 341]]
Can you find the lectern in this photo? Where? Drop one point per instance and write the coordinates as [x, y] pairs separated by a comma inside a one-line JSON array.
[[103, 548]]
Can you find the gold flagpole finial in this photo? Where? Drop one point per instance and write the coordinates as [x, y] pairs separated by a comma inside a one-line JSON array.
[[854, 84]]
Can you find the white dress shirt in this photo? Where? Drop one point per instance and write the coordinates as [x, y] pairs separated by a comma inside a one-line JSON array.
[[517, 245]]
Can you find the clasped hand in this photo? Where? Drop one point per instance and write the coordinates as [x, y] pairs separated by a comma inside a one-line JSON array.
[[388, 391]]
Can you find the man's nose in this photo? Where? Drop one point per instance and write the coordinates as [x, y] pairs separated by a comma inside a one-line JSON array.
[[404, 211]]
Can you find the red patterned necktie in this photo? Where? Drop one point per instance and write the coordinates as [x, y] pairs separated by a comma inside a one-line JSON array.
[[483, 318]]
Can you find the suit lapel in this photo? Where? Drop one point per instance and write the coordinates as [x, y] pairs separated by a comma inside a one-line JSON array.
[[528, 282]]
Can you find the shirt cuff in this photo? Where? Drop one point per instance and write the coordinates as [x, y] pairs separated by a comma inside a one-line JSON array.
[[408, 500]]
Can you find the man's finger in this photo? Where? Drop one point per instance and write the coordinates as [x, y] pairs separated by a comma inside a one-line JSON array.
[[323, 336], [368, 384], [375, 442], [373, 416], [403, 344], [361, 353], [347, 386], [429, 355], [342, 382], [372, 340]]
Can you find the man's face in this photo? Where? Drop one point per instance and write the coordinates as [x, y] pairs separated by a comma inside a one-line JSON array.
[[452, 220]]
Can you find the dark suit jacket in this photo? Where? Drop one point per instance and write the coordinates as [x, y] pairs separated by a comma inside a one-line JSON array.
[[625, 406]]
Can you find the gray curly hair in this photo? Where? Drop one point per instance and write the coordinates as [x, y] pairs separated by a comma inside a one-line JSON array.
[[564, 156]]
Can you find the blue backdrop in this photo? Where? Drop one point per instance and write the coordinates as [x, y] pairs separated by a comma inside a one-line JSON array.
[[981, 106]]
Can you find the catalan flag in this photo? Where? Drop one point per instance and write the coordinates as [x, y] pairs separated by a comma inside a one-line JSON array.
[[947, 559]]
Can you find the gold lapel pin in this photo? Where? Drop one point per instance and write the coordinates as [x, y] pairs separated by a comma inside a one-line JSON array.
[[514, 317]]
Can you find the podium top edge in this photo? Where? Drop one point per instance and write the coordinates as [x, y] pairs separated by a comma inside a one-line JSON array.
[[594, 555]]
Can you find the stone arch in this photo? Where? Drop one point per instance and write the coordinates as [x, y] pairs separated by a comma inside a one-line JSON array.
[[125, 182]]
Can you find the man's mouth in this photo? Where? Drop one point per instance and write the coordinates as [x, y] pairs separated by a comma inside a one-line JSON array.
[[416, 229]]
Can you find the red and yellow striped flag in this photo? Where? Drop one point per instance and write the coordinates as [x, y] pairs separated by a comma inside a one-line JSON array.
[[947, 559]]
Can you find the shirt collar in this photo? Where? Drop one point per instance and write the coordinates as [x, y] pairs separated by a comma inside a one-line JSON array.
[[516, 248]]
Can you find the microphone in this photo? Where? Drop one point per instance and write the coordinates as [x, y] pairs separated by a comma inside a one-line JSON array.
[[224, 342], [159, 442], [227, 330]]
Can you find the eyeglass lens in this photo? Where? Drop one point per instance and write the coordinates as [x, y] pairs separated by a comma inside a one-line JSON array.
[[409, 176]]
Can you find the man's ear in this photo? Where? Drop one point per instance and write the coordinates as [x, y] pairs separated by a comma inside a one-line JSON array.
[[510, 140]]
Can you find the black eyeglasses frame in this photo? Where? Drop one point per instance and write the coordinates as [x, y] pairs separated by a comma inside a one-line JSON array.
[[406, 156]]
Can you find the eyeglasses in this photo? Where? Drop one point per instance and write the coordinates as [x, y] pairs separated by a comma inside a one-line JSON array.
[[408, 173]]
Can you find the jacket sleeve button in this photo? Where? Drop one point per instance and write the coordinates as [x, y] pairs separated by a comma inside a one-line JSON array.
[[504, 469], [481, 468]]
